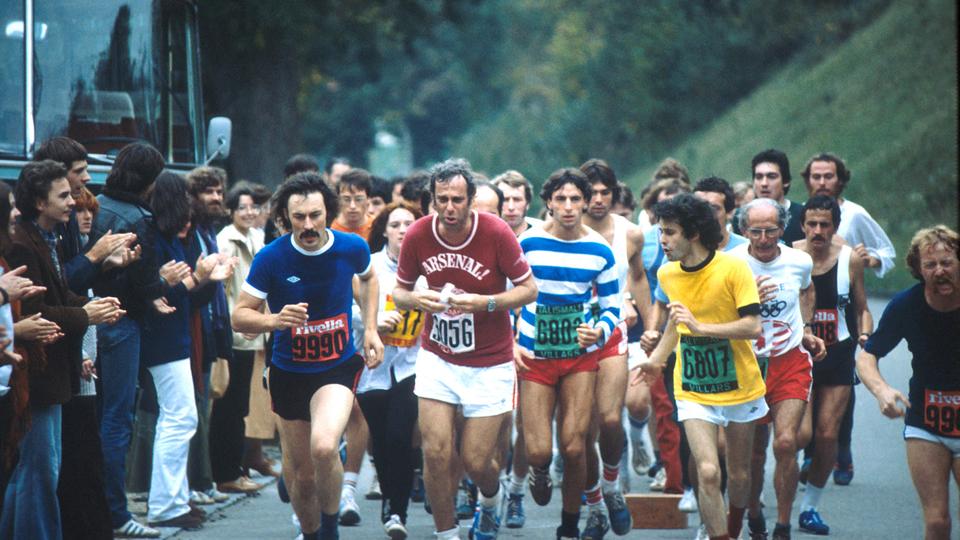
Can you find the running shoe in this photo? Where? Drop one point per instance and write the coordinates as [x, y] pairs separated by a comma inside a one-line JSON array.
[[781, 532], [486, 523], [811, 522], [843, 474], [620, 519], [541, 486], [135, 529], [349, 511], [659, 481], [757, 531], [516, 517], [596, 527], [394, 528], [640, 459], [688, 502]]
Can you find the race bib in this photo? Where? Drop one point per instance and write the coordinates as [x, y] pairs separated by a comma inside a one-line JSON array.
[[941, 412], [454, 333], [320, 341], [406, 332], [825, 325], [557, 331], [708, 366]]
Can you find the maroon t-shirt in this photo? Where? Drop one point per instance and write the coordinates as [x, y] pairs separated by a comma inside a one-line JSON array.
[[480, 265]]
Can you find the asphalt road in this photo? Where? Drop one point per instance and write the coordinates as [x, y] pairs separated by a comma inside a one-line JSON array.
[[880, 502]]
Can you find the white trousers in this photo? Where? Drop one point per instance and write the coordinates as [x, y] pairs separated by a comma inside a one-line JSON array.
[[176, 424]]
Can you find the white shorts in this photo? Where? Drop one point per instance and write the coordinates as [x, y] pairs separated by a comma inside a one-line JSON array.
[[722, 415], [480, 391], [953, 445]]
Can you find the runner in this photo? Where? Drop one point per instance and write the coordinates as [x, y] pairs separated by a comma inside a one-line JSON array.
[[841, 314], [305, 279], [559, 337], [626, 240], [714, 313], [466, 257], [772, 179], [927, 315], [784, 352]]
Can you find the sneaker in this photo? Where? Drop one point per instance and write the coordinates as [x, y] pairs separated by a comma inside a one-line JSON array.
[[688, 502], [515, 514], [659, 481], [374, 493], [349, 511], [843, 474], [541, 486], [811, 522], [757, 529], [186, 521], [199, 497], [702, 533], [781, 532], [486, 523], [620, 519], [466, 501], [219, 497], [569, 535], [640, 459], [805, 470], [597, 525], [395, 528], [135, 529], [418, 492]]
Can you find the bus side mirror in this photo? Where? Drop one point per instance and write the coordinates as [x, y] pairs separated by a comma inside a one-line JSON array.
[[218, 138]]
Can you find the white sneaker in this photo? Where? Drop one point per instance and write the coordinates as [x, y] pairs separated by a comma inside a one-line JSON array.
[[640, 458], [199, 497], [688, 503], [394, 528], [135, 529], [702, 533], [349, 511], [215, 495], [659, 481]]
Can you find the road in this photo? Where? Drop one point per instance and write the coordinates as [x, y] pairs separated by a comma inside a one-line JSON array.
[[879, 503]]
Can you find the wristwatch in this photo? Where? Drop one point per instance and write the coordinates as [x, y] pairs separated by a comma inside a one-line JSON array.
[[491, 304]]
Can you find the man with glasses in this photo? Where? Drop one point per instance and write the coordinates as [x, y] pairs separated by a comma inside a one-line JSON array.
[[353, 190]]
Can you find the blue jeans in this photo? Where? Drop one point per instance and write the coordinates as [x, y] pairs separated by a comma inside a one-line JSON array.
[[118, 347], [30, 507]]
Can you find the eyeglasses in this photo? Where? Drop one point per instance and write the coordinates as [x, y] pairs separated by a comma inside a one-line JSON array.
[[360, 201], [757, 233], [255, 209]]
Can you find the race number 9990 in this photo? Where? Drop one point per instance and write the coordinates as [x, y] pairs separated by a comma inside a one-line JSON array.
[[454, 333], [320, 341], [941, 412]]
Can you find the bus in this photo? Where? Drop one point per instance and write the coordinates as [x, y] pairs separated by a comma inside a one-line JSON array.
[[105, 73]]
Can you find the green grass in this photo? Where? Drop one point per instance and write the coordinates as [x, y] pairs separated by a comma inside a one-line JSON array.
[[885, 100]]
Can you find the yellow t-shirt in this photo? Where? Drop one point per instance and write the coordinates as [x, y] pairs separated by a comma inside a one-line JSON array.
[[714, 371]]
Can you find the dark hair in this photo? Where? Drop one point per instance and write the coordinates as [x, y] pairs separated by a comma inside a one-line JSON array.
[[170, 203], [446, 170], [376, 240], [300, 163], [328, 167], [358, 179], [497, 191], [668, 186], [33, 185], [261, 194], [202, 178], [843, 173], [597, 170], [694, 216], [379, 187], [714, 184], [783, 217], [778, 158], [5, 209], [62, 149], [135, 169], [415, 190], [562, 177], [240, 189], [822, 202], [303, 183], [626, 197]]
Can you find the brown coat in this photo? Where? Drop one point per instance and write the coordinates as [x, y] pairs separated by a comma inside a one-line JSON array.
[[52, 380]]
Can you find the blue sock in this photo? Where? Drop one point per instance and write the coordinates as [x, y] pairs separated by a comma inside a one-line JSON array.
[[328, 524]]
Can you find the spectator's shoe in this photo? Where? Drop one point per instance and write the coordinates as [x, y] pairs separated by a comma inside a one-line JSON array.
[[197, 511], [541, 486], [516, 517], [640, 459], [702, 533], [811, 522], [185, 521], [199, 497], [135, 529], [843, 474], [688, 502], [486, 523], [418, 491], [240, 485], [394, 528], [374, 493], [349, 511], [620, 519], [659, 481], [805, 470], [596, 527], [781, 532]]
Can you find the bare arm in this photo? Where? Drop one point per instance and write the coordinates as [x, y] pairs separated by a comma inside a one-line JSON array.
[[808, 301], [248, 316], [813, 344], [522, 293], [859, 293], [368, 294], [887, 396]]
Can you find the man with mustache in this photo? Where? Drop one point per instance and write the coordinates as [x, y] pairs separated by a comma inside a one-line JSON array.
[[841, 319]]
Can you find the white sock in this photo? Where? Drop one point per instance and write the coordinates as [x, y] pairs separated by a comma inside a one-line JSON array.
[[449, 534], [811, 498], [490, 502], [516, 483], [349, 485]]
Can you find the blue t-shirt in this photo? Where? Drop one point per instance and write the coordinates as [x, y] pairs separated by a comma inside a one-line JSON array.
[[283, 273]]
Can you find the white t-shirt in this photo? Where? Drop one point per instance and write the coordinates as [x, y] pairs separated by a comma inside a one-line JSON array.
[[781, 318]]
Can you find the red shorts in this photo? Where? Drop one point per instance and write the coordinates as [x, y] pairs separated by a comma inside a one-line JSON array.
[[615, 346], [549, 372], [789, 376]]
